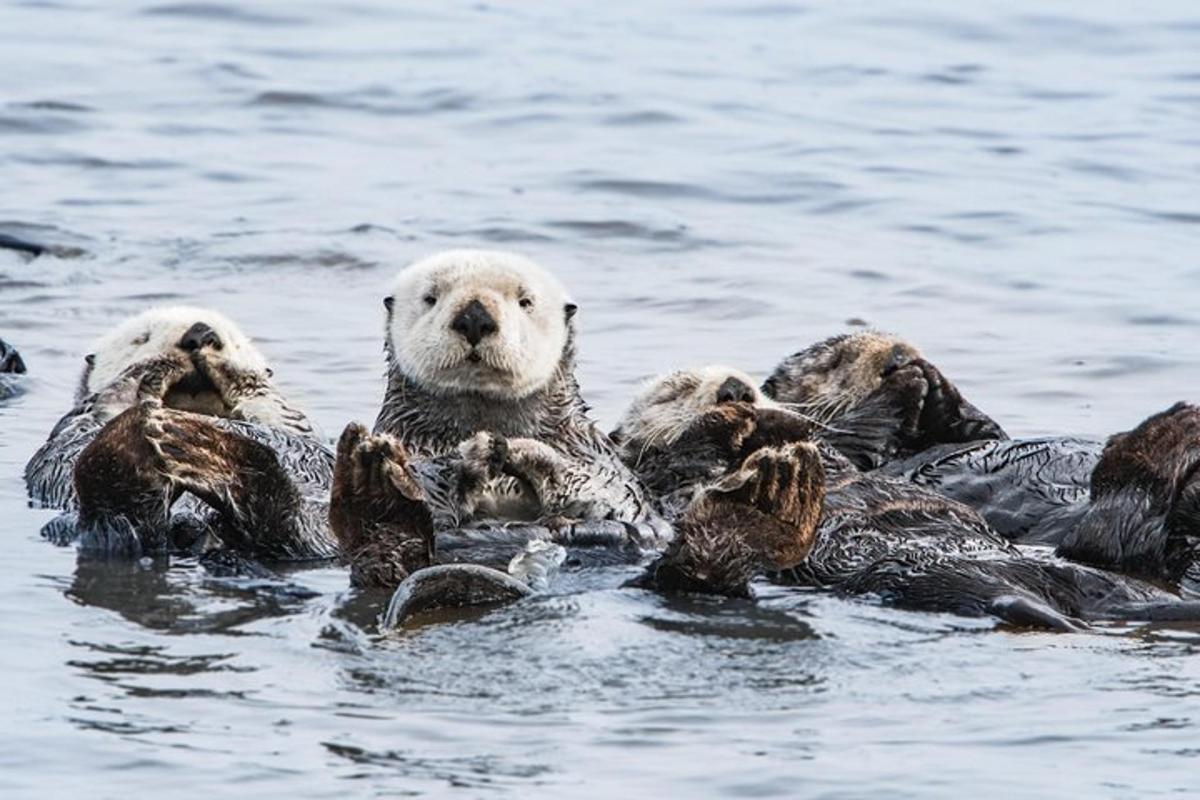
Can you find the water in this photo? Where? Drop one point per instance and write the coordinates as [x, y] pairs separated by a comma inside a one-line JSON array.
[[1010, 185]]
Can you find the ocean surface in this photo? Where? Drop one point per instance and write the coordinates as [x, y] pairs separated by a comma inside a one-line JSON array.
[[1012, 185]]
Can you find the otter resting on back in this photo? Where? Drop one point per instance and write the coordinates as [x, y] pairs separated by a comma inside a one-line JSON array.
[[1130, 505], [176, 404], [875, 535], [482, 422]]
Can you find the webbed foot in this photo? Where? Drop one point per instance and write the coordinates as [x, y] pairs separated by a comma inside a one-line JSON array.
[[378, 509]]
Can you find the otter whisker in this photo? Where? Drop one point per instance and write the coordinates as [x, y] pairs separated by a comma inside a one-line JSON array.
[[794, 408]]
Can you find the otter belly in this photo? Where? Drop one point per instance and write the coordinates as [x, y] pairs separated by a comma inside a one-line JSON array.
[[509, 499], [1032, 491]]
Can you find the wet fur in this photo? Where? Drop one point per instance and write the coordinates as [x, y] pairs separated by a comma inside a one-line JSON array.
[[889, 538], [138, 477], [1129, 508], [520, 448]]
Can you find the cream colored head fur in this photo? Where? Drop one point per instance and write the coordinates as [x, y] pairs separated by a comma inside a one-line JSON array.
[[668, 404], [157, 332], [528, 305]]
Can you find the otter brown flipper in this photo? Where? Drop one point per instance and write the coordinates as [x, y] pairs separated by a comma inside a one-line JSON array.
[[1144, 515], [241, 479], [762, 516], [124, 498], [378, 511]]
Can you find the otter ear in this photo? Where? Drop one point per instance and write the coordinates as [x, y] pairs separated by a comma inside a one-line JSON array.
[[569, 309], [388, 302], [90, 359]]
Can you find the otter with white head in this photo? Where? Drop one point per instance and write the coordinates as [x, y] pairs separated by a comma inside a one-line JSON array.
[[482, 418], [178, 403], [858, 533]]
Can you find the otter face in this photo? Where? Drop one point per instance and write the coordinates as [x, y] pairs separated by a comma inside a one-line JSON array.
[[835, 375], [478, 321], [173, 331], [665, 408]]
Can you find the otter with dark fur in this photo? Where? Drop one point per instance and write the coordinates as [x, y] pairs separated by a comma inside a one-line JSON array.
[[876, 535], [1127, 505], [11, 365], [180, 441], [482, 425]]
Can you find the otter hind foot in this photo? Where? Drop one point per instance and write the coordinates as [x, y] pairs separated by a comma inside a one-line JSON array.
[[786, 486], [764, 515], [451, 586], [378, 509]]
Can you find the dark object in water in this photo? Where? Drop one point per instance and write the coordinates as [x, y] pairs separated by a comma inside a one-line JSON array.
[[451, 586], [8, 242], [10, 360]]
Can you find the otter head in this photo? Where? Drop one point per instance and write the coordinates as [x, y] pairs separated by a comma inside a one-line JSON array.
[[667, 405], [193, 336], [835, 375], [478, 321]]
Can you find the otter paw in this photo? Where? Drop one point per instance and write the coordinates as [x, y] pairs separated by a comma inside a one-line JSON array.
[[377, 464], [198, 456], [534, 462], [727, 426], [787, 486], [484, 456]]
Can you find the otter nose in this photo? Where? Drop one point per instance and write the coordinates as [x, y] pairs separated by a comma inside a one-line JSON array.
[[474, 323], [200, 335], [734, 390]]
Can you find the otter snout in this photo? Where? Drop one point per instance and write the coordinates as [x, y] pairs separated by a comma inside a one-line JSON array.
[[735, 390], [199, 336], [474, 323]]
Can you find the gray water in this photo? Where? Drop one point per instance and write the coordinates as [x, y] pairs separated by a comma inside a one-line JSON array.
[[1012, 185]]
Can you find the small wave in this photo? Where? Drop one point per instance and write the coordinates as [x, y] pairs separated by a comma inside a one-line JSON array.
[[642, 118], [219, 12], [373, 100], [678, 236]]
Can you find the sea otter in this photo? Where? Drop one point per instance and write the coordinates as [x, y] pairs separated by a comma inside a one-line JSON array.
[[174, 403], [11, 364], [1132, 504], [482, 427], [876, 535]]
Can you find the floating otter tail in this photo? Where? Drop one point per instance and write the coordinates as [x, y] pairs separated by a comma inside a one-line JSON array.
[[1028, 613], [448, 586], [1155, 611]]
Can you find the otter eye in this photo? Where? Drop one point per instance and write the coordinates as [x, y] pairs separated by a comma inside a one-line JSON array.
[[525, 303], [270, 372], [145, 337], [430, 300]]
